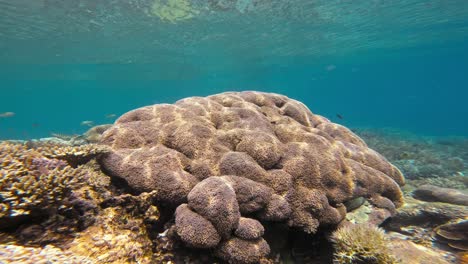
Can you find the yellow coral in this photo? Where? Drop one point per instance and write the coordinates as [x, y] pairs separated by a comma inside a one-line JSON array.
[[173, 10], [361, 244], [47, 254], [116, 237]]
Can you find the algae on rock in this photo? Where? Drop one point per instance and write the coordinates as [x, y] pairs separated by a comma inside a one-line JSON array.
[[173, 10]]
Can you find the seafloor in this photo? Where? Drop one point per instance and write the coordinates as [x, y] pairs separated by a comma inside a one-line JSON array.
[[102, 221]]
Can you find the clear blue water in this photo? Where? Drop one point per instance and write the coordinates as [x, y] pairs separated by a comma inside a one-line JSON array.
[[399, 64]]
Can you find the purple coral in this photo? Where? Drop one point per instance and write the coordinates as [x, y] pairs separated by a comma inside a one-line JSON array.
[[248, 154]]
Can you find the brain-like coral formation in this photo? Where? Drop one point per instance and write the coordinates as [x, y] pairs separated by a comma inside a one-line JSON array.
[[235, 158]]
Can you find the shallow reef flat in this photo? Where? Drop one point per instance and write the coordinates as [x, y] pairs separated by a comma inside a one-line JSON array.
[[438, 160], [243, 177]]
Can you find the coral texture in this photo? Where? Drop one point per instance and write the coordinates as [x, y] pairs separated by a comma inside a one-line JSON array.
[[454, 234], [361, 244], [33, 179], [408, 252], [116, 237], [442, 160], [69, 211], [251, 154], [93, 135], [438, 194], [173, 10], [15, 254]]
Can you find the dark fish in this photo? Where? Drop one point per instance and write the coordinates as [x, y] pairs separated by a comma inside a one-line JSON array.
[[339, 116], [35, 125]]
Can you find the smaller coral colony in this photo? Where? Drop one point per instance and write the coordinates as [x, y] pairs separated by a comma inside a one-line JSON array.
[[244, 177]]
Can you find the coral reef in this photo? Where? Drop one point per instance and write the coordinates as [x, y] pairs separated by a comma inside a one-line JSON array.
[[420, 222], [74, 155], [408, 252], [455, 234], [425, 214], [93, 135], [31, 179], [15, 254], [235, 157], [458, 182], [173, 10], [115, 238], [366, 213], [422, 157], [55, 208], [438, 194], [463, 257], [361, 244]]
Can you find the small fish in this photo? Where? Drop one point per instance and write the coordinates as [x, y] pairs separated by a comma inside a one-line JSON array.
[[63, 136], [111, 116], [87, 123], [330, 67], [7, 114], [35, 125], [339, 116]]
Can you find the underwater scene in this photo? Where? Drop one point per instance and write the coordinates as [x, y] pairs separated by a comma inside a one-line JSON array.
[[234, 131]]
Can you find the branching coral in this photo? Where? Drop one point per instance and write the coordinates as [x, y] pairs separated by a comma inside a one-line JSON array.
[[78, 212], [74, 155], [361, 244], [30, 180], [39, 179]]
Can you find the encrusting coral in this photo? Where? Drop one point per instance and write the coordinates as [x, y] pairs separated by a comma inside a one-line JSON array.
[[455, 234], [361, 244], [438, 194], [231, 159]]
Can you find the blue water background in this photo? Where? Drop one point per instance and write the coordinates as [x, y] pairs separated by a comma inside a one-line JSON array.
[[401, 64], [423, 90]]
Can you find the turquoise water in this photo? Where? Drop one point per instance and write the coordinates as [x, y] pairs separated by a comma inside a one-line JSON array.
[[398, 64]]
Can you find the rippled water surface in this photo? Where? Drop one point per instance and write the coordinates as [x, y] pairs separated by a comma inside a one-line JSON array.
[[375, 63]]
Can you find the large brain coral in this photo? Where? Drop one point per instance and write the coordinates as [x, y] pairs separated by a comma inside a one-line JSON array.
[[233, 157]]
